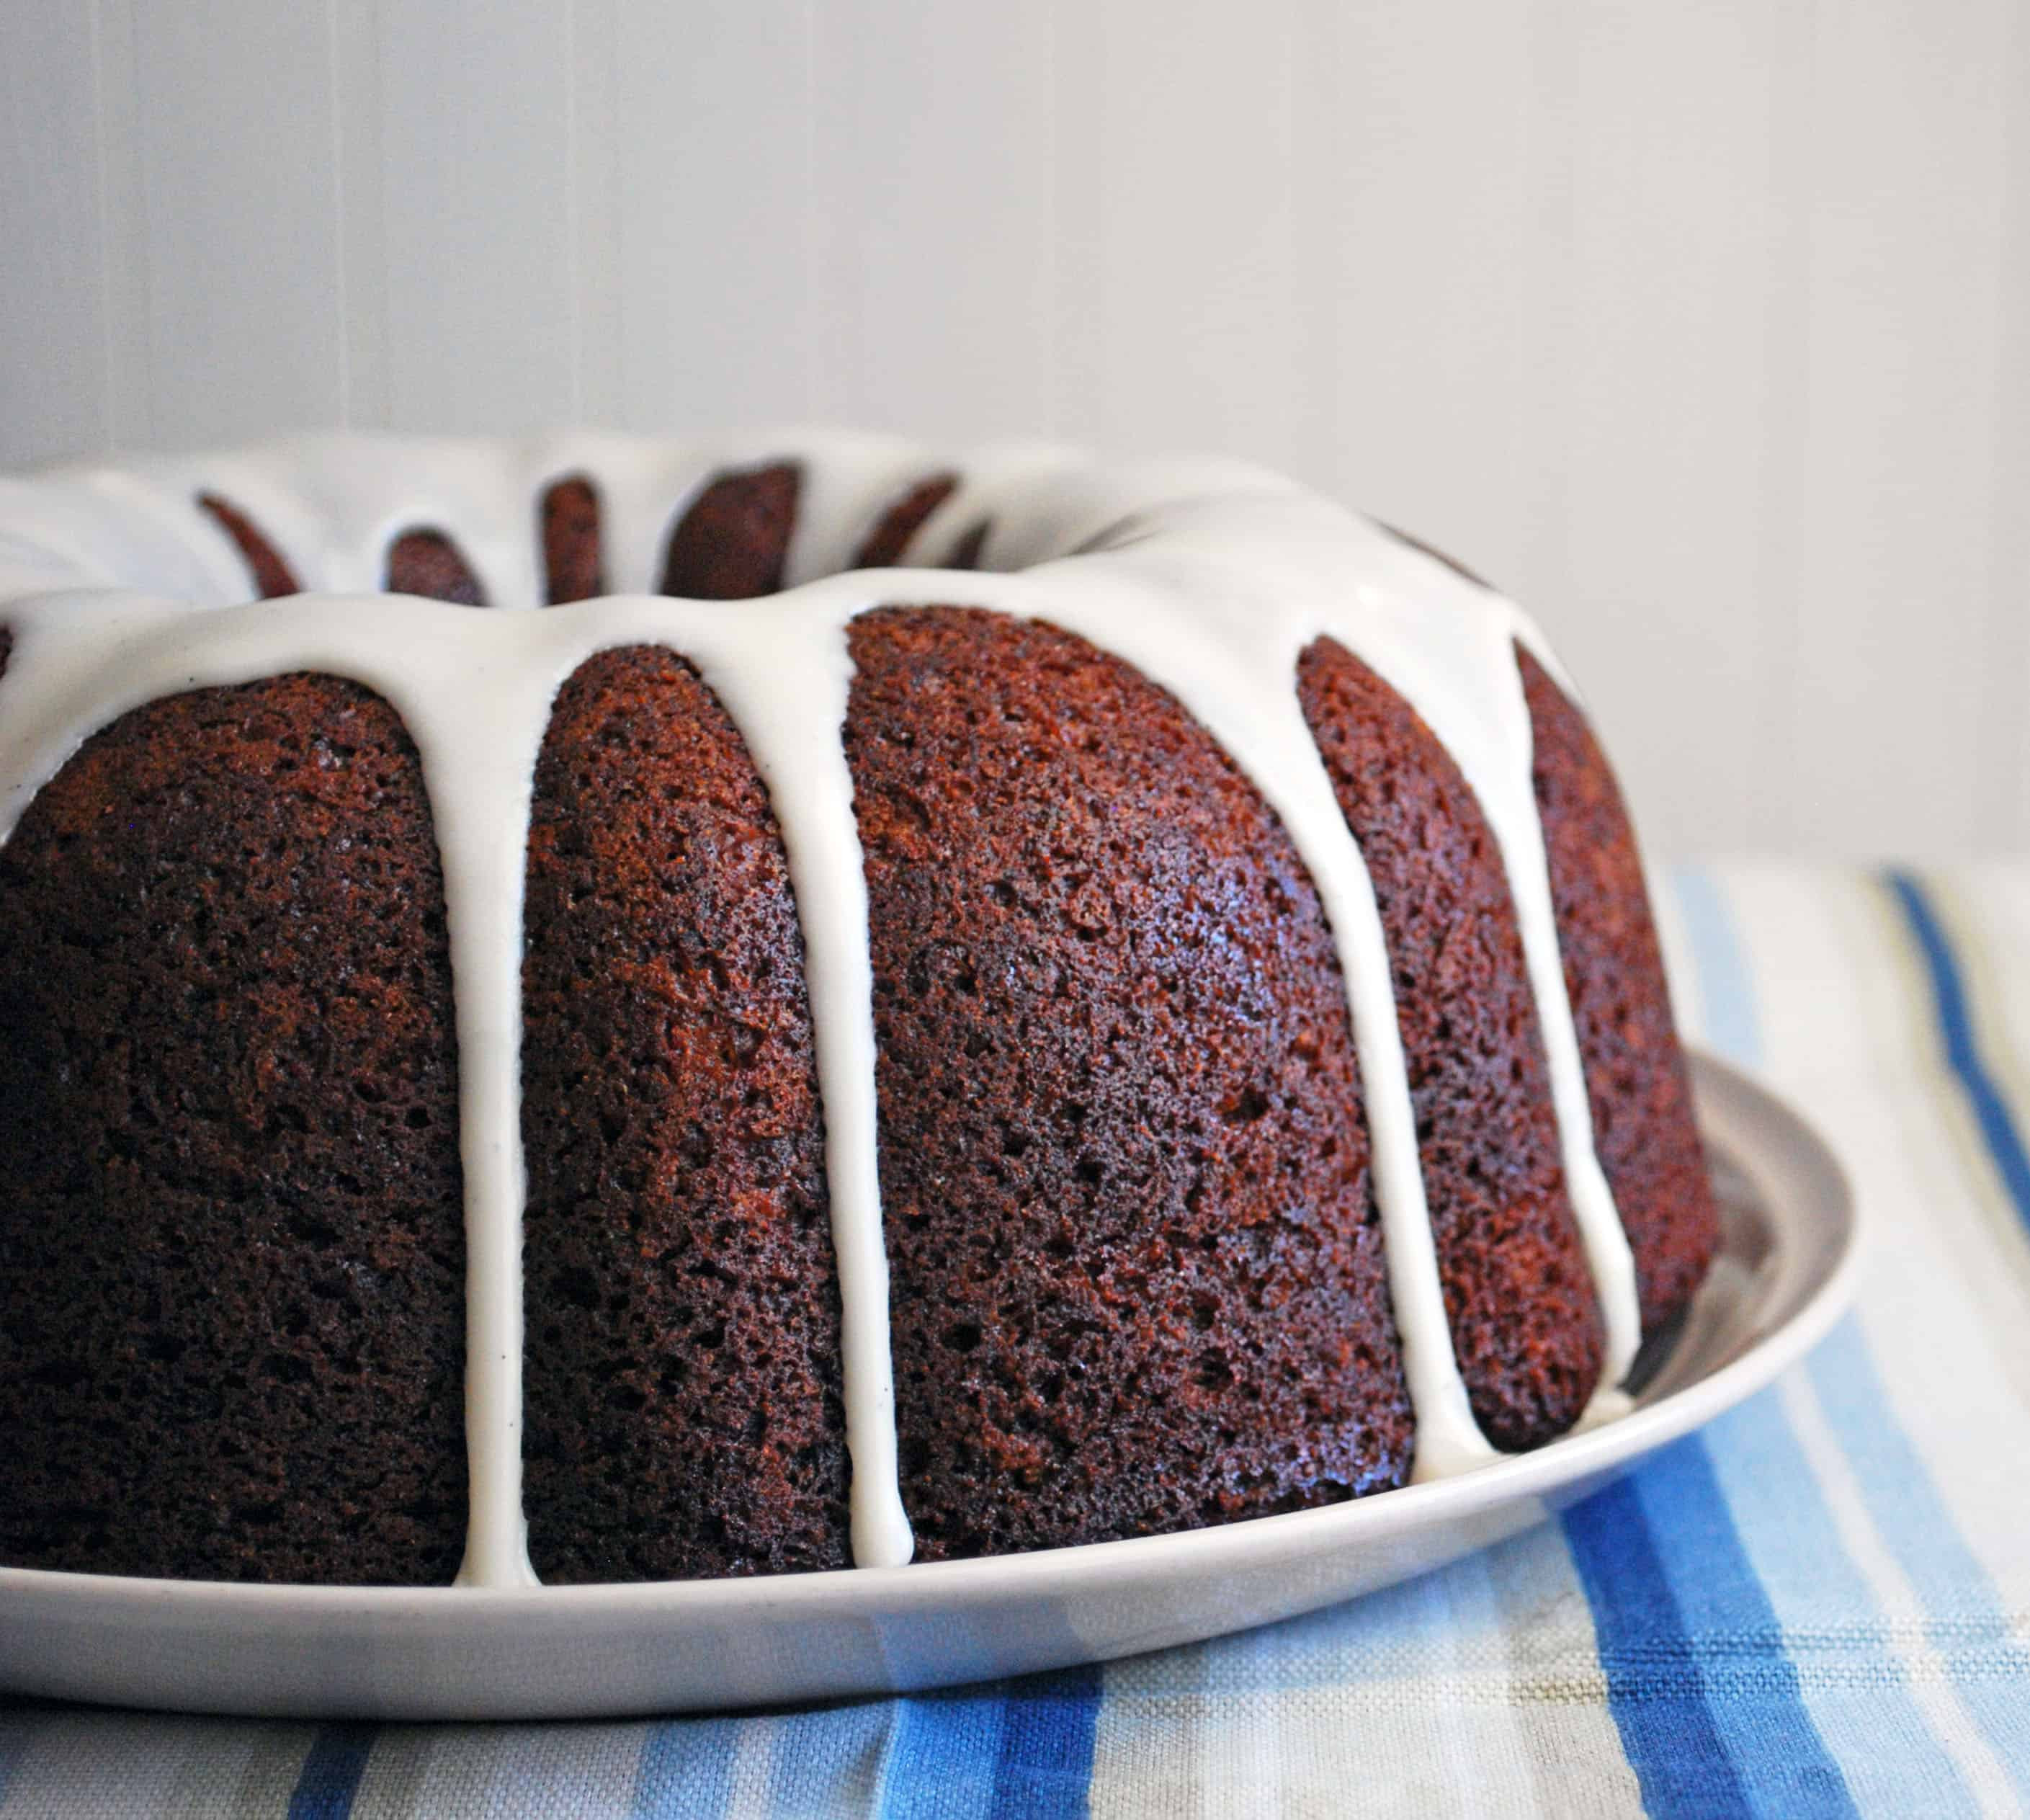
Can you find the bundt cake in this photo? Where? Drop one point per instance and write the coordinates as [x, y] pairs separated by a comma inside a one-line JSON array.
[[1146, 1016]]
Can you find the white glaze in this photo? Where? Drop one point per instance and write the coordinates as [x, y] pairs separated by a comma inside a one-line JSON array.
[[1210, 578]]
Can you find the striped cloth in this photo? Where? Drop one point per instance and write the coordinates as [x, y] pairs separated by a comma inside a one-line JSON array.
[[1819, 1605]]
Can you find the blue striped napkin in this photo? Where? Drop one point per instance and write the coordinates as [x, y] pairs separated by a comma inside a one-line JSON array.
[[1819, 1605]]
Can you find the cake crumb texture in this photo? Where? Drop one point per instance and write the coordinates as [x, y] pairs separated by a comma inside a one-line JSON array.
[[732, 542], [1644, 1131], [683, 1404], [232, 1277], [1520, 1300], [426, 562], [573, 552], [1136, 1273]]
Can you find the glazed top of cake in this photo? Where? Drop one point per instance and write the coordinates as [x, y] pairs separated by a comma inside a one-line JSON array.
[[117, 587]]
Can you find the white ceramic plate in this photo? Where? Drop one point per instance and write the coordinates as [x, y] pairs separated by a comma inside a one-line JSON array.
[[1785, 1273]]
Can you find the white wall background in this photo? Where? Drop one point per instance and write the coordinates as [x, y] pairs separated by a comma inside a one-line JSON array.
[[1702, 325]]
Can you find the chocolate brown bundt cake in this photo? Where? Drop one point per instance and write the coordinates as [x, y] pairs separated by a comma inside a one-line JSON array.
[[928, 1009]]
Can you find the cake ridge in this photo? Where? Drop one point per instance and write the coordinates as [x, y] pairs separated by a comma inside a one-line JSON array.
[[1209, 580]]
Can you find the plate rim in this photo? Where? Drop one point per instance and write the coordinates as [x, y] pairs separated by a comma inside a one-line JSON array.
[[1582, 1458]]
